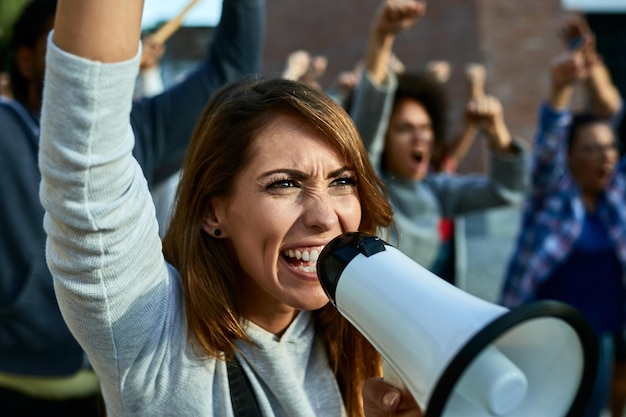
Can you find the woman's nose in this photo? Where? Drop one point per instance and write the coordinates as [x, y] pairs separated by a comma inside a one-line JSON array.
[[422, 135], [319, 213]]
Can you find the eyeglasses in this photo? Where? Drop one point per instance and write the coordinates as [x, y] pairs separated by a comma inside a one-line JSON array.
[[596, 150]]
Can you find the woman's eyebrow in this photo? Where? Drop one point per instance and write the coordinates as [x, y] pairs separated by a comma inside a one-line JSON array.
[[339, 171], [292, 173], [300, 175]]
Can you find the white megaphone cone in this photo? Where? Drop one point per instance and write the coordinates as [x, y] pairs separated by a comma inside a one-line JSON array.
[[459, 355]]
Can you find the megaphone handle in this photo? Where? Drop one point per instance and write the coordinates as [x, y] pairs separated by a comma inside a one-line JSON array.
[[391, 376]]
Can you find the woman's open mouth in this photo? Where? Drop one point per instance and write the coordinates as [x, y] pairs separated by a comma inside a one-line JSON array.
[[304, 260]]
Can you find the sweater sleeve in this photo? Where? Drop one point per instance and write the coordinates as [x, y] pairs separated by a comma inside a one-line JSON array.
[[103, 247], [549, 150], [163, 124], [371, 109], [506, 184]]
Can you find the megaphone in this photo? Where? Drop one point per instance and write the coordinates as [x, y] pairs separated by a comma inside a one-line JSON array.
[[457, 354]]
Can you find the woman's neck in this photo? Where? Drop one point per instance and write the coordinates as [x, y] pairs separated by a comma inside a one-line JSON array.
[[590, 201], [276, 324]]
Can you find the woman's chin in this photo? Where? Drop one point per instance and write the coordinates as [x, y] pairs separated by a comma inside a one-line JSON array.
[[310, 302]]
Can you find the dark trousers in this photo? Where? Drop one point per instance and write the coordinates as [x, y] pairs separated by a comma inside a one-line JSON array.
[[16, 404]]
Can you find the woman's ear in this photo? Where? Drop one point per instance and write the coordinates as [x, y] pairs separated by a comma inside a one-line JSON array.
[[214, 221]]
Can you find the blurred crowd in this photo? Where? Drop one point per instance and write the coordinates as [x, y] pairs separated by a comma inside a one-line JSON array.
[[568, 181]]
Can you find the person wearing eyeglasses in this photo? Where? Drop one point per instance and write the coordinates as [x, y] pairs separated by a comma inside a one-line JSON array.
[[572, 241]]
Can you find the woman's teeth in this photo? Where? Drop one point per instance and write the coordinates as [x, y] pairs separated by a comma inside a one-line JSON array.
[[311, 268], [303, 255], [310, 257]]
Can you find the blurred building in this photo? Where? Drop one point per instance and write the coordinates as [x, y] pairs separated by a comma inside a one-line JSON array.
[[515, 39]]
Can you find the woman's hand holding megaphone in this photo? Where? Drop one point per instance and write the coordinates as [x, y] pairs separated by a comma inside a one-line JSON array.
[[381, 399]]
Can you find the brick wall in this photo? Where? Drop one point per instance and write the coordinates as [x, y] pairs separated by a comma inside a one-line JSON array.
[[514, 39]]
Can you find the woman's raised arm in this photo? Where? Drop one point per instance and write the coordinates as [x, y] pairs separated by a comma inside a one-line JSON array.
[[105, 31]]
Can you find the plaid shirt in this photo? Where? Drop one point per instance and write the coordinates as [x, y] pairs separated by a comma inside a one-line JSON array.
[[554, 213]]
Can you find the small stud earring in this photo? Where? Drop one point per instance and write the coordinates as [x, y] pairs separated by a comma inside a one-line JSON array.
[[218, 232]]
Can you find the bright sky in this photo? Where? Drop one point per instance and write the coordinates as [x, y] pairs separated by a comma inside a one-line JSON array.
[[595, 5], [204, 13]]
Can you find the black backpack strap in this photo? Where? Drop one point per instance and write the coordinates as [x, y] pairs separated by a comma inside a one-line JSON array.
[[244, 401]]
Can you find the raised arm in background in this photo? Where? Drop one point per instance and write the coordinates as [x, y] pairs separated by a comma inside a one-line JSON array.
[[604, 97], [455, 151], [392, 17], [373, 97]]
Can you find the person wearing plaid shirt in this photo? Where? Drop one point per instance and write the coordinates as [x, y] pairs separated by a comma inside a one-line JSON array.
[[572, 241]]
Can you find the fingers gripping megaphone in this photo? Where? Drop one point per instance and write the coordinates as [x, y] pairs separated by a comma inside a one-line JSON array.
[[457, 354]]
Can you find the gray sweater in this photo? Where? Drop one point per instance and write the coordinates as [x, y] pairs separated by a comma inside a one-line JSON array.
[[34, 339], [420, 205], [119, 297]]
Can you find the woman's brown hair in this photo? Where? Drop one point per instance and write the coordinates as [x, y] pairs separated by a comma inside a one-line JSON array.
[[220, 148]]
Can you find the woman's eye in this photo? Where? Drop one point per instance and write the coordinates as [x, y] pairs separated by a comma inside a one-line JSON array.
[[344, 182], [282, 184]]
